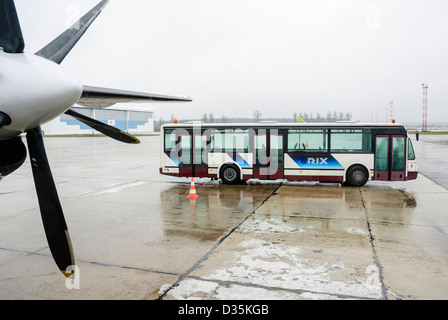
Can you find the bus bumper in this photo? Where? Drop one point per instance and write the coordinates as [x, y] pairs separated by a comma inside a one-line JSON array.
[[412, 175]]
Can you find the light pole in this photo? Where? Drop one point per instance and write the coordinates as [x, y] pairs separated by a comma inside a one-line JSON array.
[[391, 104], [425, 107]]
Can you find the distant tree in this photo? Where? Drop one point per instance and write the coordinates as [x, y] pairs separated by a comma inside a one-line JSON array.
[[335, 116], [211, 118], [294, 117], [257, 115], [204, 118], [305, 116]]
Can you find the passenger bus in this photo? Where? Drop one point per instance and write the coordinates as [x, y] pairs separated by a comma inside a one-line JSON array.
[[346, 153]]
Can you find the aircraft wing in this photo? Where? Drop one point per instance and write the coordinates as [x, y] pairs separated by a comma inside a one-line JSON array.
[[96, 97]]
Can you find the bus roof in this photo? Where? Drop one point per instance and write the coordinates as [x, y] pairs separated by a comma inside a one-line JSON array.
[[274, 124]]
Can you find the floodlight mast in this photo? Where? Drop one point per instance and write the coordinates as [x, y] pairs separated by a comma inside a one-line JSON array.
[[425, 107]]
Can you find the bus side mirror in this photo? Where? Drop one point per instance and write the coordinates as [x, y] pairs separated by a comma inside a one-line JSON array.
[[417, 135]]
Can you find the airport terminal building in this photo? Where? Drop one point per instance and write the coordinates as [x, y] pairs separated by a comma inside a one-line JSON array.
[[132, 119]]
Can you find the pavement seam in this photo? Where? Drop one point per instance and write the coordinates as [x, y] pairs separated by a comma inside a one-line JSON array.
[[229, 283], [371, 240], [205, 257], [103, 264]]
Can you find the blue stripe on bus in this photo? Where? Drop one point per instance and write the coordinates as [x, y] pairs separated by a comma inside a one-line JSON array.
[[242, 163], [317, 162], [174, 158]]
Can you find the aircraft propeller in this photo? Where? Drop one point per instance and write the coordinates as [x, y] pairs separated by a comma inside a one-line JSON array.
[[50, 207], [13, 149]]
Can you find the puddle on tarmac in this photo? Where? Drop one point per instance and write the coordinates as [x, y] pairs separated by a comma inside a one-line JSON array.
[[219, 207]]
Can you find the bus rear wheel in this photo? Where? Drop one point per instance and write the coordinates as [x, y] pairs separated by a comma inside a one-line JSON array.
[[357, 176], [230, 174]]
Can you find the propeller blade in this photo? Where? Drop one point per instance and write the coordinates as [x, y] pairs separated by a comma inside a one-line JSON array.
[[106, 129], [52, 216], [58, 49], [11, 38]]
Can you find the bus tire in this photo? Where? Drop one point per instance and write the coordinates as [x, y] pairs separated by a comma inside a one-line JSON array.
[[357, 176], [230, 174]]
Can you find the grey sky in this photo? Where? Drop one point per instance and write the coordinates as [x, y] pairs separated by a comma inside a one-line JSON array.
[[279, 57]]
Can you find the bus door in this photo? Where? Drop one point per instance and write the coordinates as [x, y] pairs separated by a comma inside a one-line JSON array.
[[390, 157], [193, 155], [200, 155], [268, 156], [185, 156]]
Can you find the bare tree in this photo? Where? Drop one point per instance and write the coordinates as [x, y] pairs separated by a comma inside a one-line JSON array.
[[305, 116], [257, 115], [335, 116]]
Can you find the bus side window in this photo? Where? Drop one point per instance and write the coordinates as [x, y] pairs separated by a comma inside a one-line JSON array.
[[307, 140], [351, 140]]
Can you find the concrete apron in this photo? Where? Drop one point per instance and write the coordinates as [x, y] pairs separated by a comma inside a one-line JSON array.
[[381, 241], [137, 236]]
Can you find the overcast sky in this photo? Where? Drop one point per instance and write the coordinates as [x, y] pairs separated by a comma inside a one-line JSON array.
[[236, 56]]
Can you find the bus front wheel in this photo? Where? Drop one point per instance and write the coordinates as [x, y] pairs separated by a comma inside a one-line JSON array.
[[357, 176], [230, 175]]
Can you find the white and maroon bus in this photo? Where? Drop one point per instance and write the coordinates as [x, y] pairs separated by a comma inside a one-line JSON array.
[[347, 153]]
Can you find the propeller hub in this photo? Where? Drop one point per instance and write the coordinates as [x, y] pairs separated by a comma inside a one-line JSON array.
[[34, 91]]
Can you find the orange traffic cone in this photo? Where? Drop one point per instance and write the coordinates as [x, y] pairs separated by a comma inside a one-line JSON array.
[[192, 194]]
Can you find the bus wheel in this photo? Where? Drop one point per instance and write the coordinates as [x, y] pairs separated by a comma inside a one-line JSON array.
[[230, 175], [357, 176]]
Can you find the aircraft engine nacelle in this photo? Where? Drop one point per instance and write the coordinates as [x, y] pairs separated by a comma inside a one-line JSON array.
[[12, 155]]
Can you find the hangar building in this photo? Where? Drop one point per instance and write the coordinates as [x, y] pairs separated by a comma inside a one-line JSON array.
[[131, 119]]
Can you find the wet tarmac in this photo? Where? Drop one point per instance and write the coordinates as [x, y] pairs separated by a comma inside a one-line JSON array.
[[137, 236]]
